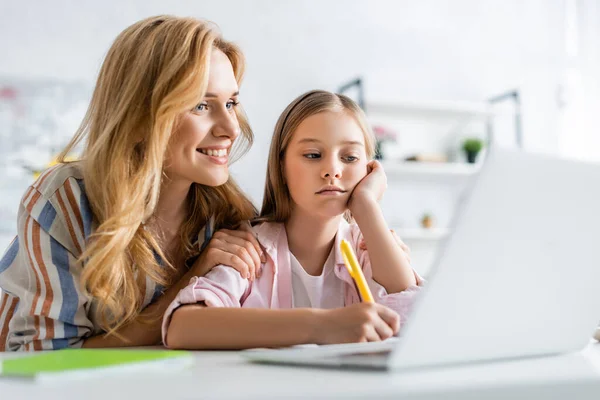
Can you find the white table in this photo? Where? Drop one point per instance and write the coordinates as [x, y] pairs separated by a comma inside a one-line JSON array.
[[227, 375]]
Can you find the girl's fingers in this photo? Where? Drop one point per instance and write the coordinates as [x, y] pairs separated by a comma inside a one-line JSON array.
[[372, 334], [390, 317], [382, 329]]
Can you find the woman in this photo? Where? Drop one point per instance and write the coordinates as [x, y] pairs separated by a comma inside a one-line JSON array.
[[104, 244]]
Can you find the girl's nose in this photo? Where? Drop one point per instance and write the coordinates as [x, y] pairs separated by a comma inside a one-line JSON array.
[[331, 171]]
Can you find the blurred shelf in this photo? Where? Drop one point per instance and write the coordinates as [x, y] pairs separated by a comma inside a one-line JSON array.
[[432, 234], [442, 108], [424, 170]]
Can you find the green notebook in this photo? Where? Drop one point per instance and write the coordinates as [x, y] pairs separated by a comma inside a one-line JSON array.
[[92, 362]]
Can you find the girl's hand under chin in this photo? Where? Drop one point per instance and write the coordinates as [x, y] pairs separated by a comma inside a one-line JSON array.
[[371, 188]]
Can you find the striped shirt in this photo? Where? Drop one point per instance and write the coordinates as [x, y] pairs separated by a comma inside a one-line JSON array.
[[42, 306]]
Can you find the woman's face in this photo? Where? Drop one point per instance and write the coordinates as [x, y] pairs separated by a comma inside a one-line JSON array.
[[325, 160], [199, 148]]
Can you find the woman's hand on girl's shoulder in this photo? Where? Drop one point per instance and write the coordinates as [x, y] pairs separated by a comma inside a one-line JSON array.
[[238, 249], [371, 188]]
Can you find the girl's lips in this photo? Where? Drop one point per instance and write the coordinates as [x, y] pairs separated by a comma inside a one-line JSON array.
[[330, 188], [331, 193]]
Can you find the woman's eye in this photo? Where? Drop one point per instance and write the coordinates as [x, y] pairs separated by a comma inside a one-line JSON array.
[[201, 107], [231, 104], [312, 155]]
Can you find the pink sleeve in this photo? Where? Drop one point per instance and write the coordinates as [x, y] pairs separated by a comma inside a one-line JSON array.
[[401, 302], [223, 286]]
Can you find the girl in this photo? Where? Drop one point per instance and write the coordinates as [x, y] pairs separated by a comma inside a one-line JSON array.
[[104, 244], [320, 177]]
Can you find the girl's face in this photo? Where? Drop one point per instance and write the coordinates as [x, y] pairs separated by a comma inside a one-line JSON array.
[[325, 159], [199, 149]]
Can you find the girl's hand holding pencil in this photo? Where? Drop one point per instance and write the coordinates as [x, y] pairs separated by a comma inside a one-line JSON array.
[[364, 322]]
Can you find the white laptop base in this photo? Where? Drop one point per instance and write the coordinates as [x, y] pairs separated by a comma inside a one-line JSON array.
[[518, 276]]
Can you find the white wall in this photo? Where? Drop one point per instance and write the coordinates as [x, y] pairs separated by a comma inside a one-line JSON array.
[[444, 50], [459, 50]]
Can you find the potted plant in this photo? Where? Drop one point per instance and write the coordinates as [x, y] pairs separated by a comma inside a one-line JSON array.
[[427, 221], [472, 147]]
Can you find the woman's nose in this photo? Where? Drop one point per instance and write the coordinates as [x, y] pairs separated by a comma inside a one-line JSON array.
[[227, 125]]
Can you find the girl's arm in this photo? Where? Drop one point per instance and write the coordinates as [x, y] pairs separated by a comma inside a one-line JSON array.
[[200, 327], [389, 262], [211, 328]]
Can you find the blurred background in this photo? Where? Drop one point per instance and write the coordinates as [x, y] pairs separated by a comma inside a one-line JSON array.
[[439, 80]]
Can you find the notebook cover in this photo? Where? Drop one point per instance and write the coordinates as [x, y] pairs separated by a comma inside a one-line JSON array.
[[72, 360]]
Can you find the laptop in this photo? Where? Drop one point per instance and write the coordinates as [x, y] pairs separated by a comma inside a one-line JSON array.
[[518, 277]]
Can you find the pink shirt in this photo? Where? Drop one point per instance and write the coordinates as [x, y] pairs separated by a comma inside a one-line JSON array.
[[223, 286]]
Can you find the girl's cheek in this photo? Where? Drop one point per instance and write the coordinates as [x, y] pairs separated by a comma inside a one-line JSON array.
[[359, 173], [355, 182]]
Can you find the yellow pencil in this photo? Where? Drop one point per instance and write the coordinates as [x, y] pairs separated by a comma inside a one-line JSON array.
[[355, 272]]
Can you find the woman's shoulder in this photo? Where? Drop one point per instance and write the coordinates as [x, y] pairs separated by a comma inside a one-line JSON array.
[[58, 203], [57, 177], [60, 187]]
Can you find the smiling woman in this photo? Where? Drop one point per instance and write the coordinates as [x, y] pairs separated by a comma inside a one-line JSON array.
[[105, 243], [195, 155]]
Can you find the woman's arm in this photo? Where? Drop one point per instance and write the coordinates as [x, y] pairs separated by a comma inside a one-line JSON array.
[[43, 307], [145, 330], [199, 327], [57, 314], [240, 249], [39, 281]]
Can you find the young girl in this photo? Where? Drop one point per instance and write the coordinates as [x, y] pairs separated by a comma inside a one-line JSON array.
[[320, 177], [106, 243]]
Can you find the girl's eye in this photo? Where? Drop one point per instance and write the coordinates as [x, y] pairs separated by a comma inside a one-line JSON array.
[[231, 104], [351, 158], [201, 107], [312, 156]]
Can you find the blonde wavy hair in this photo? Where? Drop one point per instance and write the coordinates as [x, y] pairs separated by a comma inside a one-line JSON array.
[[277, 202], [155, 71]]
